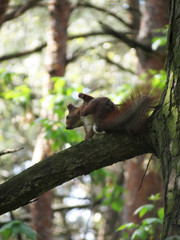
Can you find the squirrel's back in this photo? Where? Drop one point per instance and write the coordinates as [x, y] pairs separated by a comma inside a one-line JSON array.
[[130, 116]]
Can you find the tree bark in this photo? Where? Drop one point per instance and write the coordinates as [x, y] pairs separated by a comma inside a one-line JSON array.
[[78, 160], [166, 132]]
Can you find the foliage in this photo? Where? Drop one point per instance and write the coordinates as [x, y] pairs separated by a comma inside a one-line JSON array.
[[111, 190], [12, 229], [148, 226], [161, 40], [22, 81], [57, 101]]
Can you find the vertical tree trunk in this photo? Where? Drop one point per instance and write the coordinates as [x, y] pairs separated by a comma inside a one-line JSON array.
[[111, 218], [166, 136], [154, 17], [59, 15]]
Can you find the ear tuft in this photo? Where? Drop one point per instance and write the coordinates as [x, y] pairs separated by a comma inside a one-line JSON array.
[[71, 107], [81, 95]]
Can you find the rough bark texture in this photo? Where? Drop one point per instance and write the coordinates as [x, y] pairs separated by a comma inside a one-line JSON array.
[[166, 132], [78, 160]]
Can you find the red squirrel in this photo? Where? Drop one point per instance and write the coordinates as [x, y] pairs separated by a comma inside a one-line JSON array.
[[130, 116], [74, 119]]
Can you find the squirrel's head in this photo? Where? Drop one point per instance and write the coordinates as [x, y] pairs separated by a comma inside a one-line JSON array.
[[73, 119], [105, 106]]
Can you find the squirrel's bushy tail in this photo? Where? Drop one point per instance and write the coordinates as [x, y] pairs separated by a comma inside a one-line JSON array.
[[134, 111]]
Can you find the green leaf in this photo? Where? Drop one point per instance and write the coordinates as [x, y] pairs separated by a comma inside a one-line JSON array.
[[31, 234], [127, 226], [155, 197], [144, 209], [16, 227], [139, 233], [150, 221], [161, 213], [117, 206]]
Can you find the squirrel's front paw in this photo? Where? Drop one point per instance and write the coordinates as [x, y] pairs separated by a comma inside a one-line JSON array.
[[97, 131]]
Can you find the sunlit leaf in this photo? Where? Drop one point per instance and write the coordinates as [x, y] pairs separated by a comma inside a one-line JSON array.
[[149, 221], [139, 233], [127, 226], [155, 197], [144, 209], [161, 213]]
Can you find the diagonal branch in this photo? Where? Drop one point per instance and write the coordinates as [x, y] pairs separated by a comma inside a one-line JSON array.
[[20, 9], [104, 10], [22, 54], [108, 60], [7, 151], [119, 35], [81, 51], [61, 167], [123, 37], [90, 34]]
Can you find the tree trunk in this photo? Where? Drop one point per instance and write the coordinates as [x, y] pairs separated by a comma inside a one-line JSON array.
[[113, 219], [59, 14], [154, 17], [166, 137]]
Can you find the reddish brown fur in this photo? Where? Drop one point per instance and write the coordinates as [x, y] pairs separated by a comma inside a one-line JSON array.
[[74, 118], [131, 116]]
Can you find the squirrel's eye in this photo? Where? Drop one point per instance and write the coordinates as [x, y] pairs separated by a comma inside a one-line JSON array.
[[67, 116], [108, 102]]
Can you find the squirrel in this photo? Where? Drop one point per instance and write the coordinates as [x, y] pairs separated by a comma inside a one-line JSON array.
[[74, 118], [130, 116]]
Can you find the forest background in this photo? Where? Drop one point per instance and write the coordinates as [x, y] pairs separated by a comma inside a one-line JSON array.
[[51, 51]]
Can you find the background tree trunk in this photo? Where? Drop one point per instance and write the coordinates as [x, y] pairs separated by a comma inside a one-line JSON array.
[[154, 16], [59, 10]]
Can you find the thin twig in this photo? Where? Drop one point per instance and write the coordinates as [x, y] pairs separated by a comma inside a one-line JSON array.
[[7, 151], [145, 173]]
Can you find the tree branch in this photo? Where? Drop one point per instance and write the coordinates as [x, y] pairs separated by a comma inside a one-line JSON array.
[[22, 54], [80, 206], [108, 60], [80, 51], [90, 34], [7, 151], [61, 167], [20, 9], [119, 35], [88, 5], [123, 37]]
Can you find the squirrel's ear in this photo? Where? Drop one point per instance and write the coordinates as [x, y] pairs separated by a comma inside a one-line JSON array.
[[81, 95], [71, 107]]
